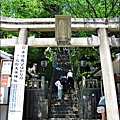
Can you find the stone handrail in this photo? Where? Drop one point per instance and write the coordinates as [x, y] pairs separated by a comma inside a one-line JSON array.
[[50, 87]]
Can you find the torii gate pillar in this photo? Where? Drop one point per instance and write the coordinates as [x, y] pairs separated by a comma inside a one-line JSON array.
[[108, 76]]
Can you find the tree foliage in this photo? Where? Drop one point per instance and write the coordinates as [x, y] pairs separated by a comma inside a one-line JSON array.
[[93, 8], [50, 8], [22, 8]]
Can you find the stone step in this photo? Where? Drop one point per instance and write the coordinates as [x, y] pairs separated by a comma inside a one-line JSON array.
[[64, 112], [65, 97], [64, 101], [64, 104], [68, 108], [64, 116], [67, 92], [67, 89], [68, 119]]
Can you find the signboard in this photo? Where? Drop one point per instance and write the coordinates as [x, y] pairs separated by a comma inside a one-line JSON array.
[[1, 95], [6, 67], [5, 81], [18, 83], [4, 95], [17, 91], [62, 28], [19, 65]]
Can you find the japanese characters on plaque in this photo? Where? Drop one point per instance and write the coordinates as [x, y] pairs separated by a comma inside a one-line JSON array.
[[19, 65], [16, 95], [6, 67], [5, 81]]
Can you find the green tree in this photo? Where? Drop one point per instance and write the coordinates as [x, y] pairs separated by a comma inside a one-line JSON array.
[[50, 8]]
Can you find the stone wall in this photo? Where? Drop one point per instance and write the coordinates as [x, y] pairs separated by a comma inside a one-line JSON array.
[[88, 96]]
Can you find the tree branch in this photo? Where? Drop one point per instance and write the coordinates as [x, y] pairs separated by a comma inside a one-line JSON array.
[[48, 8], [71, 8], [92, 8], [105, 8], [89, 10], [113, 5], [85, 9]]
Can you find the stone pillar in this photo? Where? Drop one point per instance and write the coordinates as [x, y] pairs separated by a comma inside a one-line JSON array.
[[46, 89], [108, 76], [23, 36], [45, 108], [42, 82]]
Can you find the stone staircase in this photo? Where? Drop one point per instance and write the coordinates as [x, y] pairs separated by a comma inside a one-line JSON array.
[[67, 108], [64, 109], [63, 60]]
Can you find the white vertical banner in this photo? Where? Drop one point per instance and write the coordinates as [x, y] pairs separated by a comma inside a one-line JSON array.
[[18, 83]]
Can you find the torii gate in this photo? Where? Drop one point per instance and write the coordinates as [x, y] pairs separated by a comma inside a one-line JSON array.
[[101, 25]]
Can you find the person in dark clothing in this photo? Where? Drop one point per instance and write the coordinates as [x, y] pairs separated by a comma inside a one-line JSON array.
[[70, 79], [63, 82]]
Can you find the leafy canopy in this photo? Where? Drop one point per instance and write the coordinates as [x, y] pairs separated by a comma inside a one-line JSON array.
[[50, 8]]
